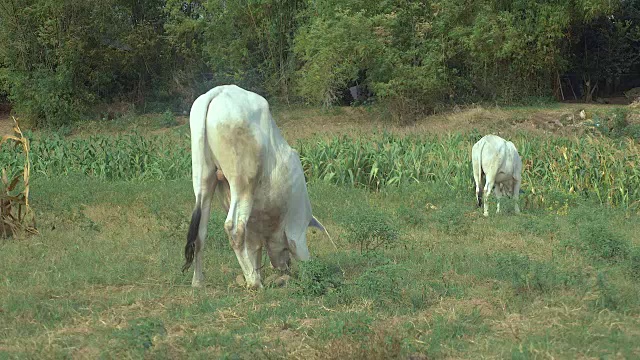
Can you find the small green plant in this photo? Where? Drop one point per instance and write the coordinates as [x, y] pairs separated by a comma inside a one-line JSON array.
[[356, 325], [315, 278], [382, 284], [451, 219], [601, 242], [371, 229], [167, 119], [412, 214], [452, 331], [141, 332], [634, 262], [530, 276]]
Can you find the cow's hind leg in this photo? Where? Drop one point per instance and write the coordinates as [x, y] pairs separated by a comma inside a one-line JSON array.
[[479, 179], [204, 186], [488, 186], [498, 192]]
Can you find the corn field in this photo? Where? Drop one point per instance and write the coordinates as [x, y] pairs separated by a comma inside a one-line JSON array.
[[591, 167]]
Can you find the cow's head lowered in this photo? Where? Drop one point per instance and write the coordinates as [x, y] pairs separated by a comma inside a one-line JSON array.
[[298, 216]]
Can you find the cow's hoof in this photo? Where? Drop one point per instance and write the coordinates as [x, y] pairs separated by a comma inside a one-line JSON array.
[[486, 214], [240, 280], [197, 284]]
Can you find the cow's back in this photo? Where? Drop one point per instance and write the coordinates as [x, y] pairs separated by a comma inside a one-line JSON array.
[[246, 143]]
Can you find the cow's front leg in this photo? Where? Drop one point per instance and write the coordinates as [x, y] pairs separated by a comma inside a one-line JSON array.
[[249, 254]]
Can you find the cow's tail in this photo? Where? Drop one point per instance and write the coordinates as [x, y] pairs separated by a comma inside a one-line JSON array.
[[190, 248], [318, 225], [478, 174], [197, 120]]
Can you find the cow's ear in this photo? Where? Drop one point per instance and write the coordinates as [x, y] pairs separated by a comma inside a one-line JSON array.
[[316, 224]]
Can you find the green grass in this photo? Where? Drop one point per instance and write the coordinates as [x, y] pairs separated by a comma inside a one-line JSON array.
[[418, 273], [103, 280]]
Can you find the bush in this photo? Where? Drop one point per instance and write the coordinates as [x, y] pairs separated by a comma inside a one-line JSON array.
[[315, 278], [634, 262], [371, 229], [601, 243], [381, 284], [451, 219], [528, 275]]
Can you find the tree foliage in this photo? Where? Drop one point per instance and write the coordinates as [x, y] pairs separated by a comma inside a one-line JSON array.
[[414, 56]]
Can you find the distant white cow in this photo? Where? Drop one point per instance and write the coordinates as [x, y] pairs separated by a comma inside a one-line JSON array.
[[496, 166], [237, 149]]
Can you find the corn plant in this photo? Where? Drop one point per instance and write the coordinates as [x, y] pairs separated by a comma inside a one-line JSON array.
[[15, 213], [590, 166]]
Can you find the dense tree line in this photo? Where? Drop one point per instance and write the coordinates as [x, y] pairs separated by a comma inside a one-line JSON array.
[[61, 58]]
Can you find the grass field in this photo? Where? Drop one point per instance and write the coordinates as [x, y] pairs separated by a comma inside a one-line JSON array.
[[418, 273]]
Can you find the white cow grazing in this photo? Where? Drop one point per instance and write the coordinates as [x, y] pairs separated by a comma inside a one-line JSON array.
[[237, 149], [498, 160]]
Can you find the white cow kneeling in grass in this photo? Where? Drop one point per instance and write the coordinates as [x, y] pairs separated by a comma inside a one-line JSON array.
[[237, 149], [496, 166]]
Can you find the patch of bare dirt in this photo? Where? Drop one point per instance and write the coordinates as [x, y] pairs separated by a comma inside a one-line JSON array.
[[6, 124], [564, 119]]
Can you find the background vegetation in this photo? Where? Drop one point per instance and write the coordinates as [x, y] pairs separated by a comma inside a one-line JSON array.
[[412, 56], [419, 273]]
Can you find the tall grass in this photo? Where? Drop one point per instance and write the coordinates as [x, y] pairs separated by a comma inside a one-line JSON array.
[[125, 157], [589, 166], [554, 167]]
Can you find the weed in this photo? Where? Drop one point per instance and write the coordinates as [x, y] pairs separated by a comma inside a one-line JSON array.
[[634, 262], [412, 214], [141, 333], [603, 243], [315, 278], [370, 230], [451, 219], [382, 284], [348, 324], [167, 119], [529, 276], [452, 331]]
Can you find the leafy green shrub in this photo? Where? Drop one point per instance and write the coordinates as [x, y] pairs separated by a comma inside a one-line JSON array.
[[601, 242], [528, 275], [634, 262], [451, 219], [371, 229], [141, 332], [615, 124], [167, 119], [382, 284], [347, 324], [412, 214], [315, 278], [608, 297]]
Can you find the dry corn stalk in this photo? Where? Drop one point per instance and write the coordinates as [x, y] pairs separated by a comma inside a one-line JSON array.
[[15, 213]]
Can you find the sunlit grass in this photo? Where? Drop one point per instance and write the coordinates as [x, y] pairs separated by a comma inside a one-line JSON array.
[[103, 280]]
